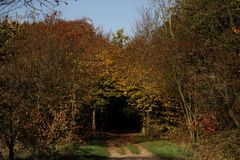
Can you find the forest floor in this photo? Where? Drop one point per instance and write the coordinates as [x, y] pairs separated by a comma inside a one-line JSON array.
[[137, 147], [108, 146]]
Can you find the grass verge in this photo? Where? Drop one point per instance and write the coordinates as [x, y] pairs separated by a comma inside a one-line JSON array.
[[121, 150], [133, 149], [91, 151], [166, 150], [72, 151]]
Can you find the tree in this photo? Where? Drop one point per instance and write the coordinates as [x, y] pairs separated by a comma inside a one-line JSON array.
[[9, 32], [119, 39], [188, 43], [8, 6], [45, 86]]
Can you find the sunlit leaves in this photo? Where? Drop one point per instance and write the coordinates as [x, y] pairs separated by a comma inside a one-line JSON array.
[[8, 31], [236, 30], [119, 39]]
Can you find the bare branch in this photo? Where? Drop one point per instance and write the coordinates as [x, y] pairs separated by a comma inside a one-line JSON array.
[[8, 6]]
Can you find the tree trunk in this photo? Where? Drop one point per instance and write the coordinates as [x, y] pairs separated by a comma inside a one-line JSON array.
[[11, 136], [234, 118], [1, 156], [170, 25], [93, 121], [144, 132], [188, 114], [234, 112], [11, 148]]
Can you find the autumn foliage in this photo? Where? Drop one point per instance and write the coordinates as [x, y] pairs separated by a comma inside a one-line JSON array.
[[178, 78]]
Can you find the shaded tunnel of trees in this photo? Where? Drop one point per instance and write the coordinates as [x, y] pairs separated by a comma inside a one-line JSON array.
[[119, 117]]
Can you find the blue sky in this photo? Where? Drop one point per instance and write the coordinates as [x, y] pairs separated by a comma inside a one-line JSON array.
[[110, 15]]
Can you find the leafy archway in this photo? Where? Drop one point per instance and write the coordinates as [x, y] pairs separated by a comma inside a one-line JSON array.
[[120, 117], [113, 111]]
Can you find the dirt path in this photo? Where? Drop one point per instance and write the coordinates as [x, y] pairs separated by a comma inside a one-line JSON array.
[[118, 149]]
